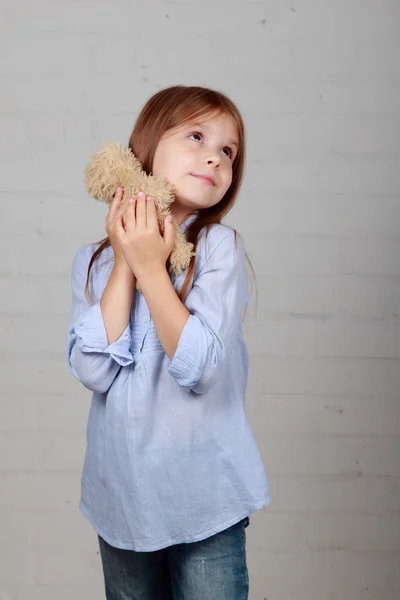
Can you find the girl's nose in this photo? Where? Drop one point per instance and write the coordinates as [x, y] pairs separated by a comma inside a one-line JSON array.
[[213, 159]]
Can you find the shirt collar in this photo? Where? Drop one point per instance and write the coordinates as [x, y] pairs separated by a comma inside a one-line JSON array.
[[183, 226]]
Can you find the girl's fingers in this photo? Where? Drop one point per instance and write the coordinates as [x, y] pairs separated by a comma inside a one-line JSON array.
[[119, 227], [152, 219], [130, 215], [141, 210], [122, 209], [115, 203]]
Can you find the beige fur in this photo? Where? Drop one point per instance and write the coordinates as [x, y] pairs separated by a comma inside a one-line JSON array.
[[115, 165]]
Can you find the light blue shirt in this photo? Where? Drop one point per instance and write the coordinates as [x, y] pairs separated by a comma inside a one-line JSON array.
[[170, 454]]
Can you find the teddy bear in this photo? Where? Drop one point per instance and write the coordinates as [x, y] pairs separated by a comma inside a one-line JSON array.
[[115, 165]]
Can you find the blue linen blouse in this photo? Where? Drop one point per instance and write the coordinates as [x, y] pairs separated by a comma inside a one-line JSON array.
[[170, 454]]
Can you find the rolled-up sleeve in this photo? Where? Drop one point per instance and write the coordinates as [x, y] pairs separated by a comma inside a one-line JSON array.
[[216, 303], [93, 361]]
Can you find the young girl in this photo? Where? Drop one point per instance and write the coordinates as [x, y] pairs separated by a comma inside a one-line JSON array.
[[171, 471]]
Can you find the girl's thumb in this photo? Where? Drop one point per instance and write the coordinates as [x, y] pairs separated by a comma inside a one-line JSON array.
[[169, 232]]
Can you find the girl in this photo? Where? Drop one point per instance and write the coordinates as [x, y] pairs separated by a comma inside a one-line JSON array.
[[171, 471]]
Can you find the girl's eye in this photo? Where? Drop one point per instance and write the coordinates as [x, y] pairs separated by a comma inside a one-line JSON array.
[[228, 152]]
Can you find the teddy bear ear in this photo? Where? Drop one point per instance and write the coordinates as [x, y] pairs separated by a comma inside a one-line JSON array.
[[111, 166]]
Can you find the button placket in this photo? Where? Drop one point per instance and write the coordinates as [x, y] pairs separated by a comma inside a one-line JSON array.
[[141, 323]]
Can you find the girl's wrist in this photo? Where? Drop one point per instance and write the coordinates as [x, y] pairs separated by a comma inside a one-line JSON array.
[[122, 269], [152, 276]]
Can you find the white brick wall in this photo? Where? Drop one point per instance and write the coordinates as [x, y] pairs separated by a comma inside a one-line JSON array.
[[318, 82]]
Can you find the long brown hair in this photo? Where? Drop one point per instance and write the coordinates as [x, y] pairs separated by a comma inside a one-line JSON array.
[[165, 110]]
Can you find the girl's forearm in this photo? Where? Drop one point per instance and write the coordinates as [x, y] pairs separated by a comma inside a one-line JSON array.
[[116, 301], [167, 311]]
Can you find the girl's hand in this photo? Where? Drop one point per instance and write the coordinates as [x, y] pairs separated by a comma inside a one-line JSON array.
[[145, 250], [118, 207]]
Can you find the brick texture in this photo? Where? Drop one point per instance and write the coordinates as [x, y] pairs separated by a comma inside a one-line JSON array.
[[318, 83]]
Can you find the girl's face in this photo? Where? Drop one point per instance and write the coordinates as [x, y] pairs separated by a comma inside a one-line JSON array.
[[196, 158]]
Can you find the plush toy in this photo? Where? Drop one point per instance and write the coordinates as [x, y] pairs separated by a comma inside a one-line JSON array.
[[115, 165]]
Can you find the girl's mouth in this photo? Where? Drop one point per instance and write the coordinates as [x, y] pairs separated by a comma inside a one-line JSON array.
[[205, 179]]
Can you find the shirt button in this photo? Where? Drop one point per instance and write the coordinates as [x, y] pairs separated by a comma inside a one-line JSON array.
[[146, 320]]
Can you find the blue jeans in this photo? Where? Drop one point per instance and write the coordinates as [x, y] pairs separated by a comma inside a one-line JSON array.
[[212, 569]]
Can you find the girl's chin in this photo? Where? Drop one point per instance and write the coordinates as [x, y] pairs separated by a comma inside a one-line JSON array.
[[194, 200], [189, 207]]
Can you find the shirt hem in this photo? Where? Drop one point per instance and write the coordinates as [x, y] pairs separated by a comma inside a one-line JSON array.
[[182, 540]]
